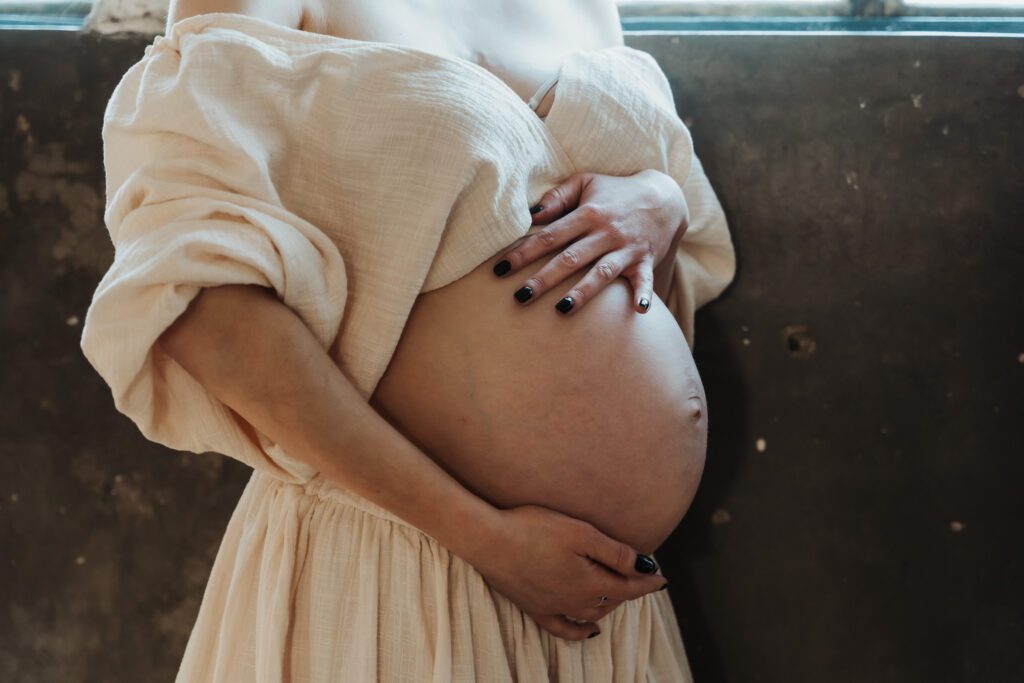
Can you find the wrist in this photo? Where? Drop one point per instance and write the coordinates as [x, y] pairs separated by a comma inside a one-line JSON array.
[[472, 529]]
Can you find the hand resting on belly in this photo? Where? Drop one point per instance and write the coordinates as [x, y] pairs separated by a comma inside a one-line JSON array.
[[600, 415]]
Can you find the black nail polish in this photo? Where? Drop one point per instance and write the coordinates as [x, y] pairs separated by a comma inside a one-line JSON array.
[[502, 267], [536, 208], [645, 304], [524, 293], [565, 305], [595, 633], [645, 564]]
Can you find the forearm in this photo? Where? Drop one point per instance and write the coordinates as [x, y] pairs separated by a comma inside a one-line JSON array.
[[258, 357]]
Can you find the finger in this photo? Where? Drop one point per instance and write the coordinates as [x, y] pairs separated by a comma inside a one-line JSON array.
[[623, 573], [607, 268], [641, 276], [551, 237], [561, 199], [571, 259], [596, 614], [619, 588], [630, 588], [558, 625]]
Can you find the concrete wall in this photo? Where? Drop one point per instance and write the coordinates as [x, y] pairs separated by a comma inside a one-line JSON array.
[[860, 515]]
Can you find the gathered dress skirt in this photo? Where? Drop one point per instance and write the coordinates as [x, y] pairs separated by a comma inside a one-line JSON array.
[[313, 583]]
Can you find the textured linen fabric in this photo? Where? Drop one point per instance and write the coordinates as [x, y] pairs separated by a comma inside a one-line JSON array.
[[350, 176]]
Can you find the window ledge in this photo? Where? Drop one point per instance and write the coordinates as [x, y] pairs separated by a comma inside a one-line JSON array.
[[697, 23], [862, 25]]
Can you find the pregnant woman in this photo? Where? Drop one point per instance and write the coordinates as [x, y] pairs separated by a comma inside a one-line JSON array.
[[431, 271]]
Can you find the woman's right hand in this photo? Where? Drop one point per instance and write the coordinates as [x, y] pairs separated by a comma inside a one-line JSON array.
[[552, 565]]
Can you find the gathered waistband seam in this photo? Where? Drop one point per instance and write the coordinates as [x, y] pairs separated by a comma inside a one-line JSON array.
[[315, 488]]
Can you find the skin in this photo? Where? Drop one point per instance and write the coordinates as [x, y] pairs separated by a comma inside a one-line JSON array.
[[547, 562], [522, 43]]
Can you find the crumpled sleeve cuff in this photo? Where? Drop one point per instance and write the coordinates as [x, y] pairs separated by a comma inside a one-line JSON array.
[[705, 257], [173, 236], [657, 138]]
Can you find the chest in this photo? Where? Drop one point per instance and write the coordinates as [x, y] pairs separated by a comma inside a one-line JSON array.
[[522, 42]]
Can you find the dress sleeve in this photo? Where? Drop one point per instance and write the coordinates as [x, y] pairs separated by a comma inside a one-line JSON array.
[[190, 205], [705, 256], [617, 115]]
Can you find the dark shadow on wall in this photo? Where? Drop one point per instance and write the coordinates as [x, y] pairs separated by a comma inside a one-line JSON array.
[[865, 373]]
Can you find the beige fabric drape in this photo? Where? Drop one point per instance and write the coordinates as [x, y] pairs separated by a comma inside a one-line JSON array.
[[351, 176]]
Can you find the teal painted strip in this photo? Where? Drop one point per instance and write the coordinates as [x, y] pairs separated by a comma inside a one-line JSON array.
[[722, 24], [40, 22], [1001, 25]]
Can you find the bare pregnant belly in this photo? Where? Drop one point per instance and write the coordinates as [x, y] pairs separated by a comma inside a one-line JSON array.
[[600, 415]]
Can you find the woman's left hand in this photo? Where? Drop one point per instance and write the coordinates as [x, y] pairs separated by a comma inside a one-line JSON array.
[[625, 224]]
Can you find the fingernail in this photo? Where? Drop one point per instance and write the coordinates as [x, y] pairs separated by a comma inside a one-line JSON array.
[[644, 304], [645, 564], [595, 633], [565, 305], [523, 293], [664, 587], [502, 267], [536, 208]]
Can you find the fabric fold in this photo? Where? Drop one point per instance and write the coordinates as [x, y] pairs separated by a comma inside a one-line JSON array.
[[349, 177], [378, 600], [177, 231]]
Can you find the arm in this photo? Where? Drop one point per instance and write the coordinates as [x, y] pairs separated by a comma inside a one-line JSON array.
[[214, 322], [259, 358], [253, 353]]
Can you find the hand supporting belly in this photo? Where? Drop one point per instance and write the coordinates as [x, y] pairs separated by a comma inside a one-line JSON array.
[[600, 415]]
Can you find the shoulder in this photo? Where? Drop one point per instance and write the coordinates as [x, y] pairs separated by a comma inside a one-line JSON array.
[[291, 13]]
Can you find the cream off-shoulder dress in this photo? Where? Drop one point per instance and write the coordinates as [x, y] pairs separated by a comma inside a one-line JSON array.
[[350, 176]]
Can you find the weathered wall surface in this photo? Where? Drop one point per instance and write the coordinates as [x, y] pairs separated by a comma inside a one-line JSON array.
[[860, 515], [874, 340]]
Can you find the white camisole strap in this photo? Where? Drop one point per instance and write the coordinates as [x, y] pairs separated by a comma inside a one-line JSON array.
[[543, 90]]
